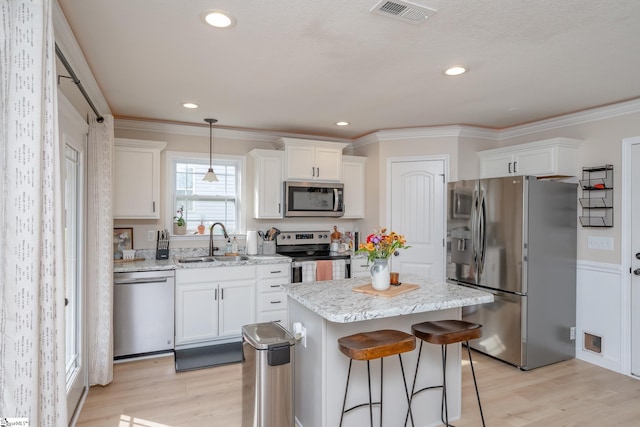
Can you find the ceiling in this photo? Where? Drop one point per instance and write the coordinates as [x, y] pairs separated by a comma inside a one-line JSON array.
[[299, 66]]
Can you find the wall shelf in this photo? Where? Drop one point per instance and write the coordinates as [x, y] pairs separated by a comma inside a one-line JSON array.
[[597, 196]]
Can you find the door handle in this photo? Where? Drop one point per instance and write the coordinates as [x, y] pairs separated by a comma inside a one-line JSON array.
[[636, 271]]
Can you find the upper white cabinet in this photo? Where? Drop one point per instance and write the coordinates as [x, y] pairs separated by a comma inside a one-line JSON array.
[[551, 157], [136, 179], [310, 160], [353, 170], [267, 174]]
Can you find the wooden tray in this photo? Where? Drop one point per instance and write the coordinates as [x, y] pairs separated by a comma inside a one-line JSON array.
[[119, 261], [391, 292]]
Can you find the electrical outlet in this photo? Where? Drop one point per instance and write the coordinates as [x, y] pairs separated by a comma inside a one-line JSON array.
[[600, 243], [151, 235], [572, 333]]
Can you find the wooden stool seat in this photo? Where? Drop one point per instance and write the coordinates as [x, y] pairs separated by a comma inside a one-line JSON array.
[[445, 332], [376, 344]]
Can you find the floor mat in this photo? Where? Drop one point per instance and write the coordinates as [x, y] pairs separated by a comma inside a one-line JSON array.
[[207, 357]]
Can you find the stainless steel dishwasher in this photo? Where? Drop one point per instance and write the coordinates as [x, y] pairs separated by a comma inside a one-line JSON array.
[[143, 317]]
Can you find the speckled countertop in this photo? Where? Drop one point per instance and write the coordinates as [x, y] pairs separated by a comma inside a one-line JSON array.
[[152, 264], [336, 301]]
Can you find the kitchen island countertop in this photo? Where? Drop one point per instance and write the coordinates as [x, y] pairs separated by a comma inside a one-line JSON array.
[[336, 301]]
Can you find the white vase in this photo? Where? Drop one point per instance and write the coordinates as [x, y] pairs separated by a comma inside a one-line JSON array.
[[380, 280]]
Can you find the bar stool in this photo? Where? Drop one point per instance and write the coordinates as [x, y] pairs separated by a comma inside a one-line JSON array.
[[445, 332], [375, 345]]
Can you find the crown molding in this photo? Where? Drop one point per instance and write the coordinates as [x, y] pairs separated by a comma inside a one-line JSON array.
[[454, 131], [68, 44], [587, 116]]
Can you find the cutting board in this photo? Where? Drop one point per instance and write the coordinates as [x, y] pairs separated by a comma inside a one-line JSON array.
[[391, 292]]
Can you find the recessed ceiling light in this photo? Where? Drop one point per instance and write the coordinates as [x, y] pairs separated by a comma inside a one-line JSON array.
[[189, 105], [218, 19], [342, 123], [455, 71]]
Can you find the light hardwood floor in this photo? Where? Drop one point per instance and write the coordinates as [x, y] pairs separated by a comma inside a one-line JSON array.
[[149, 393]]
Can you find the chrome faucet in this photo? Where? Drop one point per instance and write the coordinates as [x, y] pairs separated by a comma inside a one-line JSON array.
[[224, 231]]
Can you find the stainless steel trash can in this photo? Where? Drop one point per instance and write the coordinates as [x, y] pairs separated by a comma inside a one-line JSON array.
[[267, 376]]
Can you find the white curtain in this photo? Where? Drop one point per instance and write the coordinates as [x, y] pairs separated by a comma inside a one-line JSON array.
[[100, 252], [32, 371]]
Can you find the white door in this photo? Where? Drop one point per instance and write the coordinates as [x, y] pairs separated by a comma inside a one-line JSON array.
[[635, 262], [417, 211], [73, 134]]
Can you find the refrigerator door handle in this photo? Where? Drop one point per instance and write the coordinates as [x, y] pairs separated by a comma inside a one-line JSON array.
[[474, 232], [482, 233]]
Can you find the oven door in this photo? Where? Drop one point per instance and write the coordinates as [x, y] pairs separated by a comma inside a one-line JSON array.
[[313, 199], [296, 270]]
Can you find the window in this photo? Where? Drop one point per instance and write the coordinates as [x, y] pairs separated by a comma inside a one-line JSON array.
[[205, 202]]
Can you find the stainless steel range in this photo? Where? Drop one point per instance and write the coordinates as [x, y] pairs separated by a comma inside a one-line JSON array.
[[305, 246]]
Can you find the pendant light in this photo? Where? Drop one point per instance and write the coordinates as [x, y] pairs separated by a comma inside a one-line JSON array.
[[210, 176]]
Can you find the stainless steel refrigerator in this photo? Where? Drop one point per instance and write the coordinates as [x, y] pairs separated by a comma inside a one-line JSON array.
[[516, 238]]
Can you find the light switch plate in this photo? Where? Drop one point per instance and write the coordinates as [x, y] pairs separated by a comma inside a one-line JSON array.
[[151, 235], [601, 243]]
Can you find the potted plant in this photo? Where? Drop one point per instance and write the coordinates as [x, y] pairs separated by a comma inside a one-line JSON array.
[[379, 247], [179, 224]]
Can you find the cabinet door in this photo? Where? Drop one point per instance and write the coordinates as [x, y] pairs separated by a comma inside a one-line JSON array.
[[196, 313], [268, 186], [535, 162], [353, 169], [136, 183], [301, 162], [495, 165], [328, 162], [237, 306]]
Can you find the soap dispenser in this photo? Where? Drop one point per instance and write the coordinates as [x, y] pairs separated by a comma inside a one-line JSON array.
[[234, 246], [227, 248]]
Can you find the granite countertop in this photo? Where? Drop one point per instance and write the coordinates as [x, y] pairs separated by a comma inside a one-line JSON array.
[[335, 300], [152, 264]]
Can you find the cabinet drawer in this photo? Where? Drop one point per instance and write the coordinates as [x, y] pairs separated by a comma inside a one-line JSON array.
[[280, 316], [275, 270], [271, 285], [359, 265], [273, 301]]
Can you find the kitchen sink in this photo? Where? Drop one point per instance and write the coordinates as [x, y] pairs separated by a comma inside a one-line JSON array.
[[187, 260], [231, 258]]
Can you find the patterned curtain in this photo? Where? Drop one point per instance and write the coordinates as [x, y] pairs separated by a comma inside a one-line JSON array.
[[100, 252], [32, 350]]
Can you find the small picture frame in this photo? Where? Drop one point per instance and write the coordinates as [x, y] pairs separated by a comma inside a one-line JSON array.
[[122, 240]]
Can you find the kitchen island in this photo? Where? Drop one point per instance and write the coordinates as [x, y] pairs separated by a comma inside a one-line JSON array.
[[331, 309]]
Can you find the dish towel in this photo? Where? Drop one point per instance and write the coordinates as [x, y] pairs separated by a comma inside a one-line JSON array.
[[324, 270], [338, 269], [308, 271]]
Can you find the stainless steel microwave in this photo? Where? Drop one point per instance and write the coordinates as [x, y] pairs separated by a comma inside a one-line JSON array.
[[313, 199]]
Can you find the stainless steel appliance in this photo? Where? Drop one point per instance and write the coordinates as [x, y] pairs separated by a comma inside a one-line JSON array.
[[143, 318], [518, 241], [313, 199], [267, 376], [303, 246]]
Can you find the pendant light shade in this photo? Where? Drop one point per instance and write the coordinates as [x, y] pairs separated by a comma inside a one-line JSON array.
[[210, 176]]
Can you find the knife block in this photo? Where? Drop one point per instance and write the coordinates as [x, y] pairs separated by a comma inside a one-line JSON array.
[[162, 253]]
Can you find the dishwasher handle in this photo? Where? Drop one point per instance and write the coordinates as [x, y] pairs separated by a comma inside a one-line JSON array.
[[138, 281]]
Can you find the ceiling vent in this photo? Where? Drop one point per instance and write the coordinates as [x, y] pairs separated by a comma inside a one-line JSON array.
[[403, 11]]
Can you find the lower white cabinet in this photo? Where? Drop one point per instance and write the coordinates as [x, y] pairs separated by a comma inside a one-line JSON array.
[[360, 267], [272, 302], [214, 303]]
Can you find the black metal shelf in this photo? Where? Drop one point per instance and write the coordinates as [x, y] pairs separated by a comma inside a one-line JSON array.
[[597, 200]]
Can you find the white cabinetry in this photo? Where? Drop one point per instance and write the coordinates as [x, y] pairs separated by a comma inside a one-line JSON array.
[[214, 303], [551, 157], [353, 169], [136, 179], [272, 302], [309, 160], [360, 267], [267, 174]]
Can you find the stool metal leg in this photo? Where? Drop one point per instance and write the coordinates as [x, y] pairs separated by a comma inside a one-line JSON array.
[[344, 402], [406, 392], [370, 401], [473, 373], [444, 410], [381, 378]]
